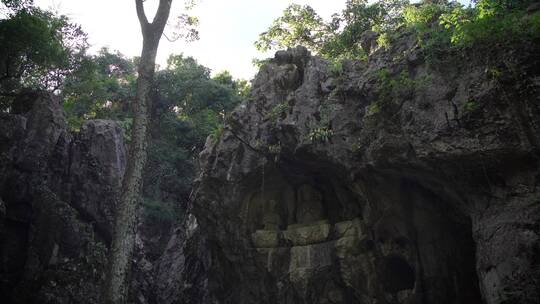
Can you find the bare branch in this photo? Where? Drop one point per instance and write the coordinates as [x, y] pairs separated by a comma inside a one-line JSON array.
[[173, 39], [141, 14], [163, 11]]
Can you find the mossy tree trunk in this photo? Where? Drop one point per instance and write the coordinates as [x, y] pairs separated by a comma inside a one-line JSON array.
[[117, 283]]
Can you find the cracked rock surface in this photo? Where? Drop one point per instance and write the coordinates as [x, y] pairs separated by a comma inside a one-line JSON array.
[[386, 181]]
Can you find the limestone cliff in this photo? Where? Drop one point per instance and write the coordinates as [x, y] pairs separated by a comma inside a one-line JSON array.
[[58, 190], [393, 180], [388, 181]]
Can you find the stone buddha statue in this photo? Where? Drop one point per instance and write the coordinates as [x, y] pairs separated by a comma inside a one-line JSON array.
[[271, 218], [309, 206]]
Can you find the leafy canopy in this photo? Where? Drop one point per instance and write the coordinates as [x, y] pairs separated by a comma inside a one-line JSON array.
[[188, 105], [441, 26], [338, 38], [39, 49]]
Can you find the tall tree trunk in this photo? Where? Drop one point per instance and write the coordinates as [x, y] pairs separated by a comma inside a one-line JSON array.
[[117, 283]]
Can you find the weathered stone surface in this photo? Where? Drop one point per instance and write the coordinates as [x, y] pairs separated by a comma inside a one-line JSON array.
[[180, 272], [98, 161], [430, 196], [320, 190], [44, 131], [368, 41], [265, 238], [58, 197], [533, 7], [305, 235], [507, 251], [349, 228]]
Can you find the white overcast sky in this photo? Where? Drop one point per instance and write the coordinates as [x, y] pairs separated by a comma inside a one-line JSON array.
[[228, 28]]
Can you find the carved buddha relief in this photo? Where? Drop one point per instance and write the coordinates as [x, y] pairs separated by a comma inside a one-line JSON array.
[[309, 205], [271, 219]]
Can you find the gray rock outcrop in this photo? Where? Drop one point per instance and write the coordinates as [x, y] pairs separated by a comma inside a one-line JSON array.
[[389, 181], [394, 180], [58, 193]]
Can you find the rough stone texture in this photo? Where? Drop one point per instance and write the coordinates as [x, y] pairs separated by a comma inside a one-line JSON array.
[[181, 272], [57, 193], [391, 181], [422, 184], [98, 159], [57, 201]]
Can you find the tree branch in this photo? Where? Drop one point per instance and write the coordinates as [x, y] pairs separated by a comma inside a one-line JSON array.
[[173, 39], [164, 9], [141, 14]]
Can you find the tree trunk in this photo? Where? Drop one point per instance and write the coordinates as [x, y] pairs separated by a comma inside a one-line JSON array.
[[117, 283]]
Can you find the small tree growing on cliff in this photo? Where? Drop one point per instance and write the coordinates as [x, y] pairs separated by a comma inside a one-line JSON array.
[[126, 219]]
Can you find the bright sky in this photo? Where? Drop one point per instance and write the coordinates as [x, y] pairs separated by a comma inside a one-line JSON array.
[[228, 28]]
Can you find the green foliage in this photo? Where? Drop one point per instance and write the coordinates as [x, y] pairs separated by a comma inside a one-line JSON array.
[[422, 16], [338, 39], [320, 134], [258, 63], [423, 19], [494, 73], [187, 88], [358, 17], [102, 87], [470, 106], [442, 26], [126, 128], [239, 86], [277, 111], [216, 134], [188, 105], [336, 67], [299, 25], [383, 40], [392, 89], [493, 29], [275, 149], [320, 131], [534, 22], [373, 109], [39, 49], [258, 144]]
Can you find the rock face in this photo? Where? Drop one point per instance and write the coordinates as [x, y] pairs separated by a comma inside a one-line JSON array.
[[57, 201], [387, 181], [58, 195]]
